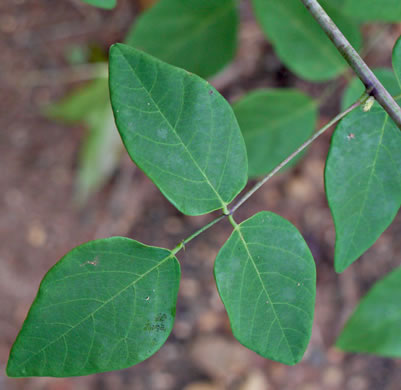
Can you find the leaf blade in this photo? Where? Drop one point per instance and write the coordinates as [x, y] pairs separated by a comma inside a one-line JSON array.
[[362, 180], [76, 306], [186, 138], [374, 327], [265, 118], [372, 10], [203, 40], [300, 42], [268, 252]]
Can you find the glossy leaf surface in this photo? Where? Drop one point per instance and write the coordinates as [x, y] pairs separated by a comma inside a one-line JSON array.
[[374, 10], [274, 123], [106, 305], [266, 278], [197, 35], [179, 130], [375, 325], [300, 42], [363, 181], [107, 4]]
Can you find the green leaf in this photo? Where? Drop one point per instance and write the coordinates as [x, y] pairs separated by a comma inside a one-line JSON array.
[[266, 278], [355, 88], [179, 130], [363, 181], [106, 4], [80, 102], [375, 325], [100, 153], [274, 124], [202, 40], [106, 305], [300, 42], [397, 60], [363, 172], [373, 10]]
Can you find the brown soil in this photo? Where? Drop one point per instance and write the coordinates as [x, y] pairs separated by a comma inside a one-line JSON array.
[[39, 222]]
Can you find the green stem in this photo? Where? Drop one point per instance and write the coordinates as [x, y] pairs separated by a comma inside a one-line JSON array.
[[182, 244], [370, 81], [232, 221]]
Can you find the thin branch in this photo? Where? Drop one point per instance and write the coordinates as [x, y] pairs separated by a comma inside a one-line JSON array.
[[337, 118], [182, 244], [370, 81]]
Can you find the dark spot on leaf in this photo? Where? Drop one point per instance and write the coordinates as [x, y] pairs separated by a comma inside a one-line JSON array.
[[161, 317], [211, 92], [149, 327]]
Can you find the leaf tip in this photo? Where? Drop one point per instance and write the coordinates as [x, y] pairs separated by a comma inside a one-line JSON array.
[[341, 263]]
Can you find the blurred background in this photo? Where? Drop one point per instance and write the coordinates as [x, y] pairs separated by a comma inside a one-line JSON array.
[[64, 180]]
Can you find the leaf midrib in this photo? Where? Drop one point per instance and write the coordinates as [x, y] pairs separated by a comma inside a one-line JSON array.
[[171, 255], [237, 228], [219, 198], [367, 186]]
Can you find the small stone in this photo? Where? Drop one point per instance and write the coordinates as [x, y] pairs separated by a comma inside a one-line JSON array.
[[36, 235], [301, 189], [217, 357], [255, 381], [332, 376]]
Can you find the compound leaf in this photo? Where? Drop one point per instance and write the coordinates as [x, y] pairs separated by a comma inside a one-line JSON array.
[[274, 123], [202, 40], [300, 42], [373, 10], [266, 278], [363, 181], [106, 4], [106, 305], [375, 325], [179, 130]]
